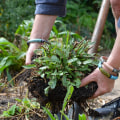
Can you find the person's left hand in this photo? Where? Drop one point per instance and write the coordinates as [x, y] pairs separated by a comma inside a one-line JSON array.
[[105, 84], [30, 52]]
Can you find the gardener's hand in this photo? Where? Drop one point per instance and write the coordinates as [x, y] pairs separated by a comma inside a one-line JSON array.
[[41, 30], [30, 52], [105, 84]]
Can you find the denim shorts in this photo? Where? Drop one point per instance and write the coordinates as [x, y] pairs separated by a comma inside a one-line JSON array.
[[51, 7]]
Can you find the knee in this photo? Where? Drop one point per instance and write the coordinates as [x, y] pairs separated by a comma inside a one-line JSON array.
[[115, 4]]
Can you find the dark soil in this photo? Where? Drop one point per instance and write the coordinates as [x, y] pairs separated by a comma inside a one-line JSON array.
[[56, 96]]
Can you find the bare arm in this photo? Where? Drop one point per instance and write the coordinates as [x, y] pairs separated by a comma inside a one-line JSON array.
[[41, 30], [114, 58], [105, 84]]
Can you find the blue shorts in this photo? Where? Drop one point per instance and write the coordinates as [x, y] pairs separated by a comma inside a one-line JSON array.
[[51, 7]]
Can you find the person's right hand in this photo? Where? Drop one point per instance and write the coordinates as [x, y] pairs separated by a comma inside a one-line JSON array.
[[105, 84], [30, 52]]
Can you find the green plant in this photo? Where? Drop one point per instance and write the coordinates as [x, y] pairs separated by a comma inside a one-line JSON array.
[[55, 117], [11, 111], [24, 107], [25, 28], [11, 15], [81, 16], [65, 60], [11, 57]]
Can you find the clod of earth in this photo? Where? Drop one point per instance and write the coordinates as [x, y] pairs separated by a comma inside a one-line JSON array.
[[56, 96]]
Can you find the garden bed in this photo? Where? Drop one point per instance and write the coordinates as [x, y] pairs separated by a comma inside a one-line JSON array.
[[9, 98]]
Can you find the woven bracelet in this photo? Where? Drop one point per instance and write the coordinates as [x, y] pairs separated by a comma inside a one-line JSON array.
[[103, 59], [104, 72], [38, 41], [111, 68]]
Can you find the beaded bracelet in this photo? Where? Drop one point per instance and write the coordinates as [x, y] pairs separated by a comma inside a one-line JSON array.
[[104, 72], [103, 59], [37, 40]]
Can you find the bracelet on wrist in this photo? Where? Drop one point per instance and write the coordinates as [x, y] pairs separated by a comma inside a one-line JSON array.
[[104, 72], [111, 68], [37, 40], [103, 60]]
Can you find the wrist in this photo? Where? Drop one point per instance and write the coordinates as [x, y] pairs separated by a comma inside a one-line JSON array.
[[107, 70], [114, 61], [108, 67], [41, 41]]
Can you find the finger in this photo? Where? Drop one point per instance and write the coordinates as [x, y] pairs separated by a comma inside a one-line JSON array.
[[87, 80], [30, 52], [29, 56], [97, 93]]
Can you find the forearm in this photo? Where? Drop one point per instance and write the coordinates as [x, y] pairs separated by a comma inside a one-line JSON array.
[[42, 26], [41, 29], [114, 58], [46, 13]]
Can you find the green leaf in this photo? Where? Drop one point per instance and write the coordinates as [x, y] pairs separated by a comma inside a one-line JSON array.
[[19, 109], [2, 68], [64, 80], [54, 73], [79, 62], [26, 102], [88, 61], [29, 66], [4, 51], [46, 90], [82, 117], [49, 113], [44, 68], [66, 117], [35, 105], [4, 60], [55, 58], [3, 41], [5, 114], [77, 82], [52, 83], [67, 39], [17, 99], [21, 55], [42, 75], [67, 97], [58, 52], [72, 60], [56, 117], [9, 77], [11, 111]]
